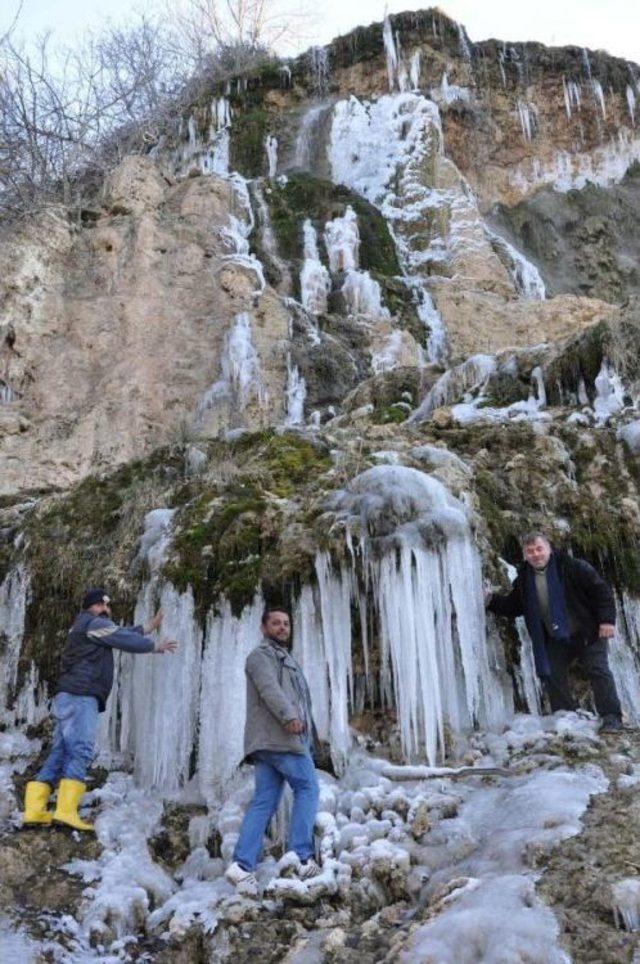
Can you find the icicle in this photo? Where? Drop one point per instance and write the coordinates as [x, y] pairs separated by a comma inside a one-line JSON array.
[[626, 903], [567, 101], [624, 657], [241, 376], [309, 651], [243, 372], [431, 318], [414, 70], [315, 283], [13, 604], [335, 609], [428, 602], [465, 49], [271, 147], [222, 698], [403, 73], [530, 681], [609, 393], [320, 68], [157, 697], [285, 75], [538, 380], [304, 141], [586, 63], [296, 394], [525, 275], [7, 394], [631, 104], [470, 376], [390, 53], [598, 96], [583, 397], [527, 116], [503, 75], [379, 149], [342, 240], [193, 133], [268, 239], [220, 115], [363, 295]]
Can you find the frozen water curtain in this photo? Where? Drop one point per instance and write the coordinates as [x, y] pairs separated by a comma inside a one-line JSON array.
[[404, 596]]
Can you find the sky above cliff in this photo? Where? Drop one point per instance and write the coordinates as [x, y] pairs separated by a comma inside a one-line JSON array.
[[613, 26]]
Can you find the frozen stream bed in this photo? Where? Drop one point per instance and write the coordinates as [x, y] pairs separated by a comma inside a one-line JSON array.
[[427, 863]]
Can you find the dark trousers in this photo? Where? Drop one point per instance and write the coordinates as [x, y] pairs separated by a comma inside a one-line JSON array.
[[594, 658]]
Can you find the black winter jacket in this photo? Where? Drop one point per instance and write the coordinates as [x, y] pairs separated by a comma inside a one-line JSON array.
[[87, 660], [588, 597]]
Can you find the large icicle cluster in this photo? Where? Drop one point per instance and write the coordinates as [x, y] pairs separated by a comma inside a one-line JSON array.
[[423, 572]]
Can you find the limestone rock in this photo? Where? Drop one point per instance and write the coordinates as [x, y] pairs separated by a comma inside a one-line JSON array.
[[114, 334], [134, 187]]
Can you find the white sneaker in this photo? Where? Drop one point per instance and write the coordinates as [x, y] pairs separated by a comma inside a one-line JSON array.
[[245, 881], [308, 869]]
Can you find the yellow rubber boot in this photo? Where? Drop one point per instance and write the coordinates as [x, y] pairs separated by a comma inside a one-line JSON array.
[[70, 793], [36, 797]]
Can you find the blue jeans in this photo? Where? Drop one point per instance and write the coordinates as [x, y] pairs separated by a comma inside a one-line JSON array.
[[74, 738], [271, 771]]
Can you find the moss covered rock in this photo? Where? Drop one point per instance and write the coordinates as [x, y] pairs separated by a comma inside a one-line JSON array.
[[305, 196]]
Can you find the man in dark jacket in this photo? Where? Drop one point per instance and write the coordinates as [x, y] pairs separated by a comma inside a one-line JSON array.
[[81, 694], [277, 741], [570, 614]]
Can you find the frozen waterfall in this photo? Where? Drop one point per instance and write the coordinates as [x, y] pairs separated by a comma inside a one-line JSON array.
[[315, 283], [378, 149], [526, 277]]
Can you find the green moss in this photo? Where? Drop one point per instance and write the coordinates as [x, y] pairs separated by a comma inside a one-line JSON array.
[[218, 545], [579, 362], [248, 133], [392, 414], [86, 537], [603, 534], [292, 462], [227, 539], [305, 196]]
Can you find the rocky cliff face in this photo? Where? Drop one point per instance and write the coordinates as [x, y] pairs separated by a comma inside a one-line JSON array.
[[336, 341]]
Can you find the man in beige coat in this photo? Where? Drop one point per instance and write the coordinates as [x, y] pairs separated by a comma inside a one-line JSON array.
[[277, 741]]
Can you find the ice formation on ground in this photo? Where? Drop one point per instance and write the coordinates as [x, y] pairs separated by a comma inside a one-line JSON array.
[[463, 843]]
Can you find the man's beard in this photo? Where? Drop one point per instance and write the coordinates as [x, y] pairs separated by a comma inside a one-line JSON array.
[[285, 643]]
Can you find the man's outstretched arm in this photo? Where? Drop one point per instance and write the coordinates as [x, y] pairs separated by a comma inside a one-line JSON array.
[[127, 638], [509, 604]]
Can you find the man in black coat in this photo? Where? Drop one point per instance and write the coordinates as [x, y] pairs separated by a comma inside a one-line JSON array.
[[570, 614]]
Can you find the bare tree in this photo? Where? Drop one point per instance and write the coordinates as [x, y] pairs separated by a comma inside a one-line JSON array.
[[235, 31], [67, 115], [60, 110]]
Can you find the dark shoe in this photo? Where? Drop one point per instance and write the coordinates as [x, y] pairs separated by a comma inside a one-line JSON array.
[[611, 724]]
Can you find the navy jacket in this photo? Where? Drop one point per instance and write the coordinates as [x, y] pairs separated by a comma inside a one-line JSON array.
[[587, 596], [87, 659]]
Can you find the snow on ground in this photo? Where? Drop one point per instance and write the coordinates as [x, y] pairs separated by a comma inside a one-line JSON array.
[[463, 839]]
